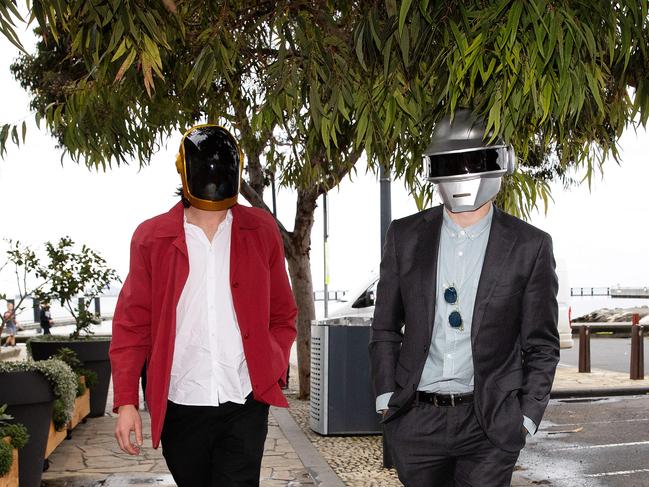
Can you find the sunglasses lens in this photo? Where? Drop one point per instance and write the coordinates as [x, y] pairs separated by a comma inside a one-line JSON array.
[[455, 319], [450, 295]]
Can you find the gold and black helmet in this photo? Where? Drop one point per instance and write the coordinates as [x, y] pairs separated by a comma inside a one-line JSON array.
[[210, 163]]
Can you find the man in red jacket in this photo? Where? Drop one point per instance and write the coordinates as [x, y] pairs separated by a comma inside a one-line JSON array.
[[208, 308]]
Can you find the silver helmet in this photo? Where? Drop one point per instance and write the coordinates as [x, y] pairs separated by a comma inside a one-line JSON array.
[[464, 164]]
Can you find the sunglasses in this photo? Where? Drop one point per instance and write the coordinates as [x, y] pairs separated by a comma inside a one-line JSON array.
[[455, 318]]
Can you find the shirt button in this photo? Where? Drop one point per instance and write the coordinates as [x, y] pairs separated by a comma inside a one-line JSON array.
[[460, 253]]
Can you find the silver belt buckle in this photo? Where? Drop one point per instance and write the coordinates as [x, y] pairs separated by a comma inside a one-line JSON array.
[[452, 400], [435, 401]]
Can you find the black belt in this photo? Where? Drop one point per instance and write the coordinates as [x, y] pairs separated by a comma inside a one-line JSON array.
[[444, 400]]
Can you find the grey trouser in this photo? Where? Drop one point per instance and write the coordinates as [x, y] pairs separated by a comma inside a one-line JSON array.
[[445, 446]]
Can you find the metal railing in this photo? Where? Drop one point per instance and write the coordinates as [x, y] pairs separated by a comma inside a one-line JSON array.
[[636, 365]]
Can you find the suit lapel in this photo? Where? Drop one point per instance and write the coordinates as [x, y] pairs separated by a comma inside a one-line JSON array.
[[500, 244], [426, 261]]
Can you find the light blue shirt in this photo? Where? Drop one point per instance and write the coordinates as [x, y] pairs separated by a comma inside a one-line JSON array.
[[449, 365]]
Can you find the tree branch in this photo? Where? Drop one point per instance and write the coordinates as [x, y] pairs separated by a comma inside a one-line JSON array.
[[255, 200]]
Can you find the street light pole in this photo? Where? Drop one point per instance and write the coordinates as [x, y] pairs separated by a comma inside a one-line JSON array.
[[326, 251], [386, 203]]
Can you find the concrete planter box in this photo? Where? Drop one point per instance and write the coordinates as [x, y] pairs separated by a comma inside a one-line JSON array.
[[29, 398]]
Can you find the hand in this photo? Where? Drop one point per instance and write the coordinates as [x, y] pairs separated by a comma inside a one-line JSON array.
[[129, 420], [384, 412]]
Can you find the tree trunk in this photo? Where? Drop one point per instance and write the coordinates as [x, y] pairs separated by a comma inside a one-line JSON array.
[[299, 267]]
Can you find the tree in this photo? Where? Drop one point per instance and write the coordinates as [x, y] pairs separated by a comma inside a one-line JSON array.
[[311, 87], [25, 265]]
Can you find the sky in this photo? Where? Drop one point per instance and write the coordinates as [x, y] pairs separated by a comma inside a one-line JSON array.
[[602, 236]]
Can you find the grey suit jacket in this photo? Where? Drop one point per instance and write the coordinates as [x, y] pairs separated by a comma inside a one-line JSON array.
[[514, 337]]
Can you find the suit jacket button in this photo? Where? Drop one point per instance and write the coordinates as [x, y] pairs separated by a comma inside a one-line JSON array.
[[235, 284], [246, 335]]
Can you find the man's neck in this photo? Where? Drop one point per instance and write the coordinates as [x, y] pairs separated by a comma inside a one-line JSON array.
[[468, 218], [208, 221]]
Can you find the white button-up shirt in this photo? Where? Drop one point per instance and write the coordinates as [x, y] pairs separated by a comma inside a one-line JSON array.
[[209, 367]]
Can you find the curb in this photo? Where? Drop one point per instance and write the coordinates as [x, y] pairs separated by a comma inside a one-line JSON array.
[[310, 457], [599, 392]]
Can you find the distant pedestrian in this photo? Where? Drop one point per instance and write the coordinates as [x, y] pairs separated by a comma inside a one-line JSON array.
[[10, 325], [46, 318]]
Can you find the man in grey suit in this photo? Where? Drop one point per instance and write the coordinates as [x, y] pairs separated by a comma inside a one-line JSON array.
[[464, 339]]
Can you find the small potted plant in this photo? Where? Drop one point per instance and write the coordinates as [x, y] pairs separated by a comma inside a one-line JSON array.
[[30, 389], [70, 273], [13, 437]]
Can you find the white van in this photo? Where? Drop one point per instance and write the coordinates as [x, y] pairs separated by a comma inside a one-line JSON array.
[[360, 302]]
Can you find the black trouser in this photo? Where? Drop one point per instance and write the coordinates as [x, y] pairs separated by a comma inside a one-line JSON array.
[[445, 446], [215, 446]]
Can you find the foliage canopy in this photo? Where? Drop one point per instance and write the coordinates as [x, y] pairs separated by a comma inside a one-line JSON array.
[[111, 80]]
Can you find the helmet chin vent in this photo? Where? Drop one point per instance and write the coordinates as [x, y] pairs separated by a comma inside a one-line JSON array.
[[461, 195]]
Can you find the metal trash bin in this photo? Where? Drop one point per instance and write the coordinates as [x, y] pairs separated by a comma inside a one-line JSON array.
[[342, 397]]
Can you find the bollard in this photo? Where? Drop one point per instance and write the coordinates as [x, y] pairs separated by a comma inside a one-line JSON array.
[[637, 349], [584, 349], [97, 306]]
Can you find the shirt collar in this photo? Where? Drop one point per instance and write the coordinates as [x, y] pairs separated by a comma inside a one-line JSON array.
[[472, 231], [226, 221]]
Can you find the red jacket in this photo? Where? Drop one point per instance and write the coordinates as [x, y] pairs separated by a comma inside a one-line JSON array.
[[144, 324]]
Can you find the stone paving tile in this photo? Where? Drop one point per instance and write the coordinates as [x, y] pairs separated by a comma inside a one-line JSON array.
[[569, 378], [93, 459]]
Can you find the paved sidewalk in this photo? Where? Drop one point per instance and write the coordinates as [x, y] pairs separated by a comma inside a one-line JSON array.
[[569, 381], [92, 458]]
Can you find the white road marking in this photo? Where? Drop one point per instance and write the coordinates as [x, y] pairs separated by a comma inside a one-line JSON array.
[[620, 472], [609, 445], [551, 425]]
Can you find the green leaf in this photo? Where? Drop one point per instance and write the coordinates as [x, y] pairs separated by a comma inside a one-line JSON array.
[[125, 65], [120, 51], [359, 47], [594, 89], [403, 13], [14, 135]]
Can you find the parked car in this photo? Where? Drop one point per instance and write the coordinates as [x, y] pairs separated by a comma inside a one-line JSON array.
[[360, 302]]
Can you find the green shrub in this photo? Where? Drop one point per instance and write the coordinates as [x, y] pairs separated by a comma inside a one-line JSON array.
[[6, 457], [91, 377], [17, 433], [60, 376], [59, 415], [18, 438]]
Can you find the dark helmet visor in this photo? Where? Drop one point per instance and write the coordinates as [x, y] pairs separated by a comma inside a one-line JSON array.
[[212, 163], [460, 163]]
